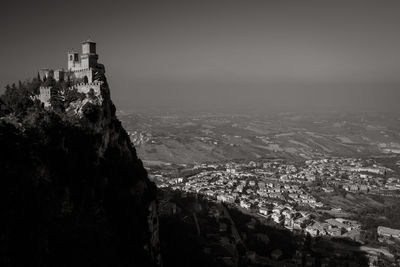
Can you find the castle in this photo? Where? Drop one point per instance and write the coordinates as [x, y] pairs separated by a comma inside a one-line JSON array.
[[83, 70]]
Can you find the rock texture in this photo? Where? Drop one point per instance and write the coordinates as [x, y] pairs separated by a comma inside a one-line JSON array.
[[73, 191]]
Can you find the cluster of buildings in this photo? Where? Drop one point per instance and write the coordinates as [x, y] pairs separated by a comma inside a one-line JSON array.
[[280, 191], [387, 233], [289, 194], [337, 227], [138, 138], [350, 174]]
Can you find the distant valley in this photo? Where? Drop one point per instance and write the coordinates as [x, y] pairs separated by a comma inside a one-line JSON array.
[[202, 138]]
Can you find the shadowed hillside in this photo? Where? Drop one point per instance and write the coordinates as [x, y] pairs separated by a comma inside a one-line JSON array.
[[73, 191]]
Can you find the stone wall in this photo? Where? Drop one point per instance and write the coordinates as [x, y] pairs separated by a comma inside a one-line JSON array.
[[80, 74], [58, 75], [85, 87], [46, 73], [45, 95]]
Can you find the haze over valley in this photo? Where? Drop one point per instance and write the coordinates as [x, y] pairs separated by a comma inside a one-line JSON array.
[[207, 137]]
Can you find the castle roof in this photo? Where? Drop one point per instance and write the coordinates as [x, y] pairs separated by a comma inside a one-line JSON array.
[[88, 41]]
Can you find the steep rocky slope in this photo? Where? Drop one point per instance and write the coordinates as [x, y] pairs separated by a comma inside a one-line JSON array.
[[72, 190]]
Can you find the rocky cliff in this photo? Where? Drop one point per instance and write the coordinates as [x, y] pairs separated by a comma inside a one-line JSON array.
[[72, 190]]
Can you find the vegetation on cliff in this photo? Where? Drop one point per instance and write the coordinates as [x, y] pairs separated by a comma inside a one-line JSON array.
[[72, 190]]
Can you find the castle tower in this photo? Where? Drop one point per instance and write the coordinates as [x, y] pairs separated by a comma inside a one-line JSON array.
[[45, 95], [73, 60], [89, 56], [46, 73]]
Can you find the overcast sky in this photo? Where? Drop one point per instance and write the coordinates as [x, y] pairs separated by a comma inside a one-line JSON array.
[[284, 55]]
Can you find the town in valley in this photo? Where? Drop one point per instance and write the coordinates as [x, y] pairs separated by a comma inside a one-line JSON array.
[[307, 190]]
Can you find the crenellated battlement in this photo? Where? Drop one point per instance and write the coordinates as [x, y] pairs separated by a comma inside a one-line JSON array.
[[92, 83], [82, 70], [85, 87]]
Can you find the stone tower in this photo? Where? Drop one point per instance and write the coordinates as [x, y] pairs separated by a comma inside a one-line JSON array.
[[45, 95], [73, 60], [89, 56]]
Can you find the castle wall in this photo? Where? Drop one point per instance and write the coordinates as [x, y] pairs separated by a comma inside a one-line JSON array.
[[46, 73], [80, 74], [58, 75], [88, 61], [85, 62], [74, 66], [85, 87]]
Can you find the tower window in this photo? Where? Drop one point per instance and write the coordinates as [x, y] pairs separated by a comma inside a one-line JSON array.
[[70, 57]]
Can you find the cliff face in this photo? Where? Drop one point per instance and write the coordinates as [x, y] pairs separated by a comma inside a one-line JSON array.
[[72, 190]]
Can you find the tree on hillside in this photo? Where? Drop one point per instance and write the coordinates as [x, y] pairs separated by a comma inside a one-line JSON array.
[[91, 111], [3, 109], [49, 81], [91, 94], [72, 95], [56, 99], [68, 82], [33, 86], [16, 100]]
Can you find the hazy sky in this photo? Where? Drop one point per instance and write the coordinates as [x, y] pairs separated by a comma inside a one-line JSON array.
[[286, 55]]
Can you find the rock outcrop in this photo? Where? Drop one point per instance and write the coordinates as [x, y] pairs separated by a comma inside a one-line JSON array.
[[73, 191]]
